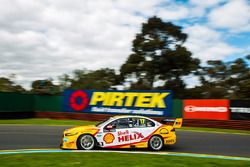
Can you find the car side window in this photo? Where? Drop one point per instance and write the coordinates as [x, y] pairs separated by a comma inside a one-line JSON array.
[[118, 124], [141, 123], [122, 123], [149, 123]]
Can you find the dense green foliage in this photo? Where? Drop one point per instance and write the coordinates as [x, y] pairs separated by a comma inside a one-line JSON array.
[[7, 85], [100, 79], [45, 87], [159, 54], [223, 80]]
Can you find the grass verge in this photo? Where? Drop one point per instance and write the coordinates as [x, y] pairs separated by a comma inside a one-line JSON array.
[[37, 121], [111, 159], [45, 121]]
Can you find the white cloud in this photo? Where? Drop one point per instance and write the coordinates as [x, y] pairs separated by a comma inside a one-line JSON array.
[[207, 44], [173, 12], [234, 15], [147, 8], [42, 39], [197, 8], [206, 4]]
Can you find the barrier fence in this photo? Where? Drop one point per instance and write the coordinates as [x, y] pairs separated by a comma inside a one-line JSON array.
[[12, 104], [15, 102]]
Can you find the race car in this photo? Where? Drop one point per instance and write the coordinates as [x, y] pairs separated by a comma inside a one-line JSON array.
[[122, 132]]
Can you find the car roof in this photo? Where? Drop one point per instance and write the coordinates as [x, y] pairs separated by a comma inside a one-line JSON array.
[[127, 116]]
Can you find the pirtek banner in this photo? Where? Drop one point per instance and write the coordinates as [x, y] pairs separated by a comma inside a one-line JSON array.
[[155, 103], [206, 109], [240, 109]]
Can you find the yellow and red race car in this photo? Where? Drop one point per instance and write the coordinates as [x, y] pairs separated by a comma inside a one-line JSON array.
[[122, 132]]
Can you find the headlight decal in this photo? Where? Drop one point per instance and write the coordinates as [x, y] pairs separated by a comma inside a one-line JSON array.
[[71, 134]]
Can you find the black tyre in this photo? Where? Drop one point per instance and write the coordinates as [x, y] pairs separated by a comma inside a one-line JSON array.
[[155, 143], [86, 142]]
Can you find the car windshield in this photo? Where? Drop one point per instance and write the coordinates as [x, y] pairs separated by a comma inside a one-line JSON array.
[[100, 124]]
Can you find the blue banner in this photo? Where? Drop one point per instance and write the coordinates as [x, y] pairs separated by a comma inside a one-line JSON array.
[[152, 103]]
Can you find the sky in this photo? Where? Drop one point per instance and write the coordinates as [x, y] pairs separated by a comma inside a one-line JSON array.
[[42, 39]]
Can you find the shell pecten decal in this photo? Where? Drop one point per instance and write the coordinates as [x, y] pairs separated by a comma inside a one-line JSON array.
[[109, 138]]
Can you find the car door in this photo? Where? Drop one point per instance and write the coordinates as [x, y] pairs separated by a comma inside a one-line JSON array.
[[116, 133], [142, 128]]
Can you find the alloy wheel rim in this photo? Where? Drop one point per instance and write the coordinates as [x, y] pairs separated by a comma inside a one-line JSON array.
[[87, 142], [156, 143]]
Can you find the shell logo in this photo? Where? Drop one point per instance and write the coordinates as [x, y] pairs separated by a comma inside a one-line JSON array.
[[109, 138]]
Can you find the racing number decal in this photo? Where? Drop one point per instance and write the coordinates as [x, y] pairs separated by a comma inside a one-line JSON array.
[[142, 121]]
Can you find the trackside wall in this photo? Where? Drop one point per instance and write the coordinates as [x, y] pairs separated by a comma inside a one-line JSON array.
[[16, 105]]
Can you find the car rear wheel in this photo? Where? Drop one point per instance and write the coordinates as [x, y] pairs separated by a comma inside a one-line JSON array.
[[86, 142], [155, 143]]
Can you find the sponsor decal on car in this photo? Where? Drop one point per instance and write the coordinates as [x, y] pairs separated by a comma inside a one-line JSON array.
[[126, 136], [170, 141], [108, 138]]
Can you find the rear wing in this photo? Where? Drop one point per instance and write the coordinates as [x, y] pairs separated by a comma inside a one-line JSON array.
[[176, 123]]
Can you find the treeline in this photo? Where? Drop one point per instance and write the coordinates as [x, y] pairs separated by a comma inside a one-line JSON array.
[[159, 60]]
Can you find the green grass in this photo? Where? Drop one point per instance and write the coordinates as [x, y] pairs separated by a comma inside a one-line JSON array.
[[37, 121], [112, 159]]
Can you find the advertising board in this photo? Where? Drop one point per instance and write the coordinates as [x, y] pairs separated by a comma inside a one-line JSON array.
[[154, 103], [240, 109], [206, 109]]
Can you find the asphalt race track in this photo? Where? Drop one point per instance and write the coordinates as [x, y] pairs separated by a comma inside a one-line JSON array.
[[36, 137]]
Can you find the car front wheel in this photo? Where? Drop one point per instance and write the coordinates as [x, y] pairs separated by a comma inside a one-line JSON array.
[[155, 143], [86, 142]]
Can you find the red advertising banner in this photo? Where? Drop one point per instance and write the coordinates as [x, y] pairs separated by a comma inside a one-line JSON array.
[[206, 109]]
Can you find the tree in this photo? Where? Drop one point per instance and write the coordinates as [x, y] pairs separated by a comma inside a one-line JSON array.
[[244, 90], [64, 81], [248, 57], [241, 70], [7, 85], [99, 79], [224, 80], [45, 87], [159, 54]]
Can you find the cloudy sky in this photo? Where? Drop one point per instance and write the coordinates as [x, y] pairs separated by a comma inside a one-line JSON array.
[[40, 39]]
